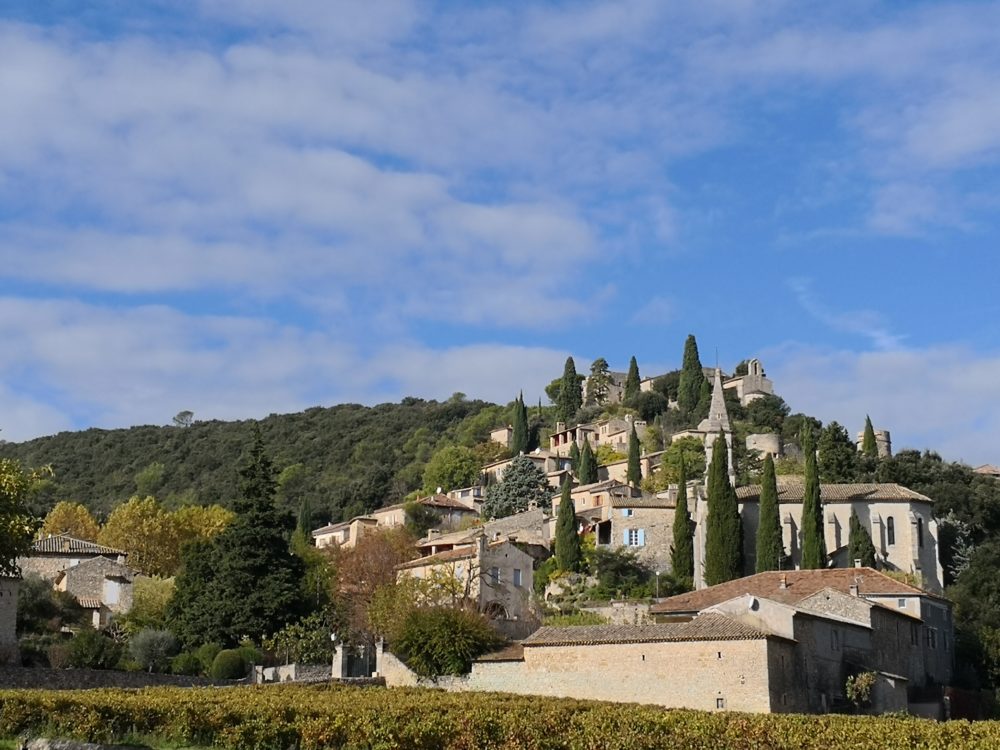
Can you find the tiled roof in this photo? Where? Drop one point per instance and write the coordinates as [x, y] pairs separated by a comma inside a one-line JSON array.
[[513, 652], [646, 501], [792, 491], [65, 544], [112, 568], [89, 602], [799, 585], [443, 501], [706, 627], [331, 528], [441, 557], [988, 469]]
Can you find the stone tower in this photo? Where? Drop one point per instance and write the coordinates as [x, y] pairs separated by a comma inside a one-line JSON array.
[[716, 422]]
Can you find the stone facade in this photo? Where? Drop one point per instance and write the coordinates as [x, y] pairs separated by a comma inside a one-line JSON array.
[[54, 554], [101, 585], [883, 442], [613, 432], [751, 386], [8, 619]]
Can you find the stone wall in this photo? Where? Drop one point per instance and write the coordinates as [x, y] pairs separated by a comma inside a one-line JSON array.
[[622, 613], [8, 621], [707, 675], [21, 678]]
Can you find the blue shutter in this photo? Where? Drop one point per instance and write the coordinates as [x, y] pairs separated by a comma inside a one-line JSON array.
[[625, 538], [642, 537], [624, 512]]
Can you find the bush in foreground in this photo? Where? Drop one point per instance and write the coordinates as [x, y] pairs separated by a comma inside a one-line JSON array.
[[229, 665], [440, 640]]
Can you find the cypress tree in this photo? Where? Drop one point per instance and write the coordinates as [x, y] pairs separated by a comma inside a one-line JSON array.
[[570, 392], [692, 376], [770, 549], [869, 446], [682, 552], [704, 401], [574, 458], [724, 530], [519, 436], [813, 544], [634, 475], [859, 544], [632, 381], [588, 465], [304, 524], [568, 553]]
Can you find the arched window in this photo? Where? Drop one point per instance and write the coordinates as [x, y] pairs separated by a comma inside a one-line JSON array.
[[920, 532], [890, 531]]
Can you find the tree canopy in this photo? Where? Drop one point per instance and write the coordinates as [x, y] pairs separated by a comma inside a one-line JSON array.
[[770, 548], [724, 532], [520, 484], [17, 525], [570, 393], [568, 553], [73, 519], [682, 551], [691, 378], [813, 542]]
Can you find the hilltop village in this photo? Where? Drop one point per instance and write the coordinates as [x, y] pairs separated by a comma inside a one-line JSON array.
[[678, 529]]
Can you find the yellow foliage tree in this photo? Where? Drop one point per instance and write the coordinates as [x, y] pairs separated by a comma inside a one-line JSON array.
[[201, 522], [147, 532], [72, 519]]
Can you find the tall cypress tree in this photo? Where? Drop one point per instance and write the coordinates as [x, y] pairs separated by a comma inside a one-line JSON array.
[[692, 376], [574, 458], [770, 549], [859, 544], [634, 475], [568, 553], [704, 405], [588, 465], [869, 446], [813, 543], [724, 529], [632, 381], [570, 392], [519, 435], [682, 552]]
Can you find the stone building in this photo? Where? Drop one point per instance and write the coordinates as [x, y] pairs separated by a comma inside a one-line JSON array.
[[844, 620], [883, 442], [494, 576], [55, 553], [8, 620], [550, 464], [613, 432], [102, 586], [751, 386], [714, 427]]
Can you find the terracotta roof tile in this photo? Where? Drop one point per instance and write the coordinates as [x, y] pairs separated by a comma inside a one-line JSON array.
[[800, 584], [705, 627], [513, 652], [793, 490], [89, 602], [65, 544], [441, 557]]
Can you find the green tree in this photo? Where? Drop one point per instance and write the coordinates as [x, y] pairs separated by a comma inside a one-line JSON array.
[[632, 383], [634, 475], [838, 456], [813, 543], [574, 457], [724, 529], [598, 382], [770, 549], [570, 396], [246, 581], [568, 553], [520, 484], [519, 435], [452, 467], [767, 413], [869, 446], [692, 376], [704, 404], [588, 465], [859, 544], [682, 552], [150, 479], [17, 524]]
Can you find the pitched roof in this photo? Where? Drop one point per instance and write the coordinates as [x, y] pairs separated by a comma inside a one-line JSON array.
[[718, 416], [709, 626], [646, 501], [89, 602], [443, 501], [793, 491], [63, 544], [988, 469], [512, 652], [799, 584], [112, 568], [441, 557]]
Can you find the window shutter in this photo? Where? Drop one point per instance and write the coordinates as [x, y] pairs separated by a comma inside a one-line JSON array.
[[625, 538], [642, 537], [624, 512]]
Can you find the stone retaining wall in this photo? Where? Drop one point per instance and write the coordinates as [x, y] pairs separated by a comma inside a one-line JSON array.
[[22, 678]]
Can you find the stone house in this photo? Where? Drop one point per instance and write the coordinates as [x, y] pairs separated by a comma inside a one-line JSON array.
[[451, 512], [494, 576], [101, 586], [753, 385], [549, 462], [614, 432], [901, 523], [530, 529], [55, 553], [643, 524], [618, 470], [845, 619], [988, 470], [8, 620]]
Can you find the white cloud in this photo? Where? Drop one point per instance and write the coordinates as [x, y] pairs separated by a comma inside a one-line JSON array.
[[941, 398], [867, 323]]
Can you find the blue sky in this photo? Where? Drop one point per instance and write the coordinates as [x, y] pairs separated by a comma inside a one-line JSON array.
[[241, 207]]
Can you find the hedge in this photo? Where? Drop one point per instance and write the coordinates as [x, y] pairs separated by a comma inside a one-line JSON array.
[[273, 717]]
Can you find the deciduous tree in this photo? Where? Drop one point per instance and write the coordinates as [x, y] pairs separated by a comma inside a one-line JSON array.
[[452, 467], [17, 525], [148, 533], [72, 519]]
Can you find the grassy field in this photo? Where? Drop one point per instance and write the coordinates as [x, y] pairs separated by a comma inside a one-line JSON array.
[[311, 718]]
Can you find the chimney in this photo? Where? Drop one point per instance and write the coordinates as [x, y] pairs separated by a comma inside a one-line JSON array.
[[439, 490], [433, 533], [853, 588], [783, 583], [560, 426]]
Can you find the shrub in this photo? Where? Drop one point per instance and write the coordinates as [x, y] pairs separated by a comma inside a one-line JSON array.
[[185, 663], [152, 649], [575, 618], [229, 665], [206, 654], [437, 640], [90, 649], [58, 655]]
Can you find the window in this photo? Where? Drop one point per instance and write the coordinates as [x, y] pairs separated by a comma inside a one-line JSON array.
[[627, 512], [495, 575], [890, 531], [517, 577], [920, 532], [914, 634], [901, 603], [720, 703], [834, 640], [931, 638], [634, 538]]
